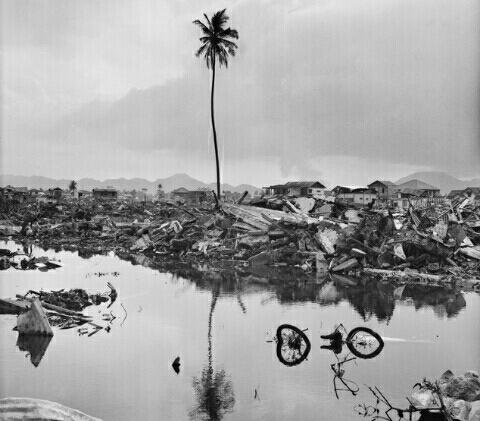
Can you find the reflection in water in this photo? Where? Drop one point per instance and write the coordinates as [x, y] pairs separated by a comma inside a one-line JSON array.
[[340, 382], [213, 389], [289, 285], [35, 345]]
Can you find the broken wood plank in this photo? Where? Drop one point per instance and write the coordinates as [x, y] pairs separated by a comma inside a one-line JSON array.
[[403, 274], [349, 264]]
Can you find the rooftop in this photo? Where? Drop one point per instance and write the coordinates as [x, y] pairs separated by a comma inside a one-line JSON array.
[[304, 184], [384, 182]]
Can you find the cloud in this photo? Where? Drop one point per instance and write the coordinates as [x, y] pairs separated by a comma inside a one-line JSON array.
[[388, 81]]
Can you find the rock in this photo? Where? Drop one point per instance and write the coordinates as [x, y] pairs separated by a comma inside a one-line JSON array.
[[34, 321], [424, 399], [460, 410], [471, 374], [14, 409], [475, 411], [446, 377], [462, 387]]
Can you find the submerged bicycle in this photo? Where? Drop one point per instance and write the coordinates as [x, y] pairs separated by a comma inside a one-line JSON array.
[[361, 341], [293, 346]]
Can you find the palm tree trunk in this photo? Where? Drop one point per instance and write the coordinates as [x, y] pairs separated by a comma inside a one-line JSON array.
[[213, 128], [215, 294]]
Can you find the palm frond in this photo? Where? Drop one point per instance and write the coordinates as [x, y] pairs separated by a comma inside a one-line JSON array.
[[201, 50], [202, 26], [215, 43], [208, 21], [206, 39], [228, 33], [227, 43], [219, 19]]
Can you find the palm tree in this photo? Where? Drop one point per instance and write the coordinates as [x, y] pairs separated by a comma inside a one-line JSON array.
[[73, 185], [216, 46]]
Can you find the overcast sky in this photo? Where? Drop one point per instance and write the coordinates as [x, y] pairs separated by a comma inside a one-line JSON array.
[[343, 91]]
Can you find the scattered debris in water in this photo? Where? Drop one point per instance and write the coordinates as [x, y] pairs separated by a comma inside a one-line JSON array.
[[176, 365]]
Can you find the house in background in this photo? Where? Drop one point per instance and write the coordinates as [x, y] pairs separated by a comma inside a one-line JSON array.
[[343, 193], [296, 188], [55, 193], [358, 195], [275, 189], [305, 188], [34, 193], [192, 197], [384, 188], [108, 193], [17, 194], [83, 194], [402, 200], [364, 196]]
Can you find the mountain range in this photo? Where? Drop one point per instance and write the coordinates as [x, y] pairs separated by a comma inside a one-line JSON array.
[[168, 184], [445, 182]]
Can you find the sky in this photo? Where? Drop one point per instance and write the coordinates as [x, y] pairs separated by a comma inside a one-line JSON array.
[[341, 91]]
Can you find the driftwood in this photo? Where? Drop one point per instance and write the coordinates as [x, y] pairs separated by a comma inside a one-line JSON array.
[[60, 310]]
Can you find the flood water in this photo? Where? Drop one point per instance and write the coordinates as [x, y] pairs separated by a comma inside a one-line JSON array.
[[221, 325]]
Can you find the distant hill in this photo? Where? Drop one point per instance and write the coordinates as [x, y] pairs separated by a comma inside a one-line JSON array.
[[170, 183], [445, 182]]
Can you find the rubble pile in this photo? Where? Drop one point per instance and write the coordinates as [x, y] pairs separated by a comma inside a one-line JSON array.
[[456, 396], [435, 243]]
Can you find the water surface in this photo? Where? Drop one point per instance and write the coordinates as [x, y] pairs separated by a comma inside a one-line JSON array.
[[222, 325]]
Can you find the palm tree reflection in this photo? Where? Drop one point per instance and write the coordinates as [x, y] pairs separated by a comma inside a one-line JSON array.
[[213, 389]]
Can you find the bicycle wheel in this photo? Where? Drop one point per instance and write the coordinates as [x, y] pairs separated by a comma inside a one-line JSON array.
[[364, 342], [293, 346]]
